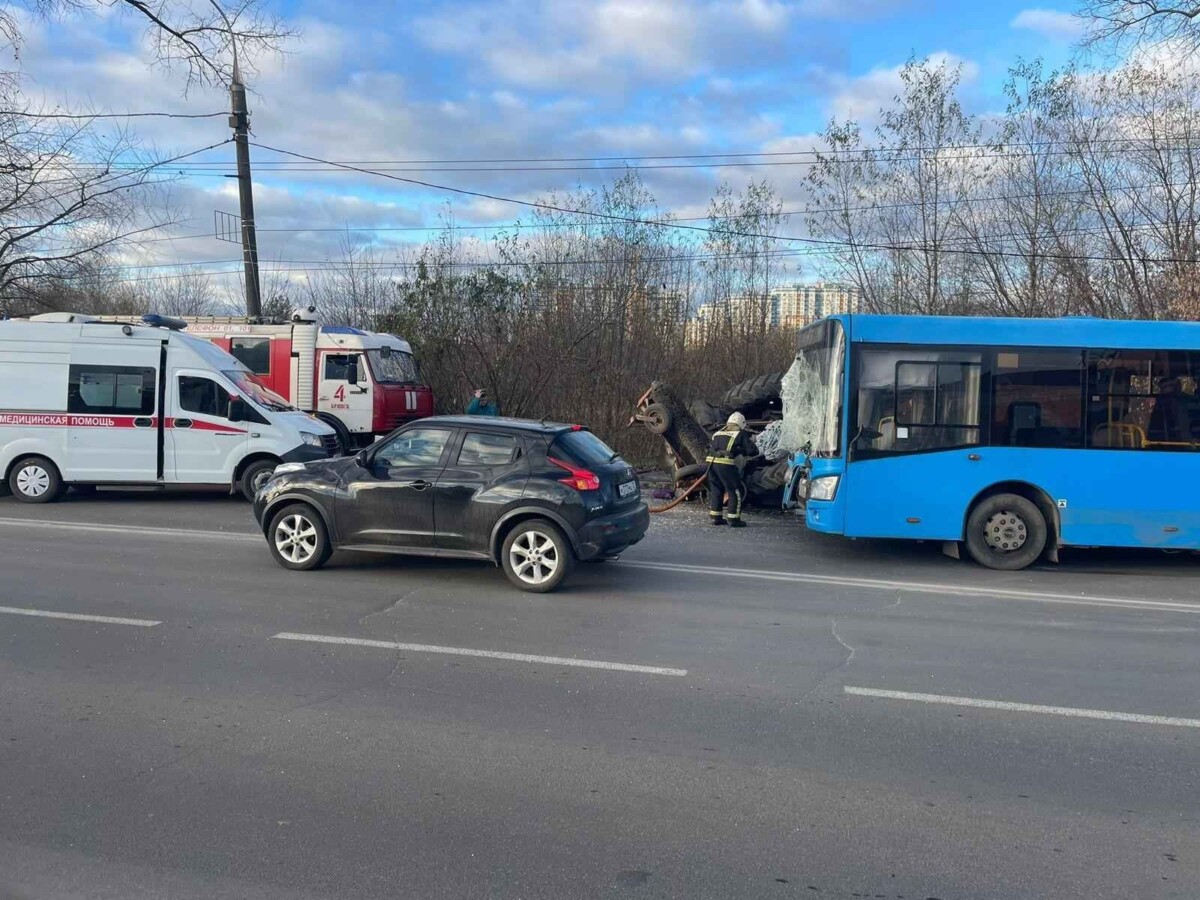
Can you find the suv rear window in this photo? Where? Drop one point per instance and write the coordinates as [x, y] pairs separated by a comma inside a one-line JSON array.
[[582, 448]]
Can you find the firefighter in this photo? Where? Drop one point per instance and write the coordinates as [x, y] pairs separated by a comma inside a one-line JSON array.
[[726, 487]]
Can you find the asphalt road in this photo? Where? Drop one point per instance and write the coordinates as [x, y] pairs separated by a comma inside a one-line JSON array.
[[765, 713]]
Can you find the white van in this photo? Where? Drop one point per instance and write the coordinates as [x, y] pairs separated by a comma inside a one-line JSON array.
[[89, 403]]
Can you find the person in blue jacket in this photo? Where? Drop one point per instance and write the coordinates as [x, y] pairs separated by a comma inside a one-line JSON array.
[[480, 405]]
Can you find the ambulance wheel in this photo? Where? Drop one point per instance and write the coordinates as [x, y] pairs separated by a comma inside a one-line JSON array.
[[298, 539], [35, 479], [255, 476]]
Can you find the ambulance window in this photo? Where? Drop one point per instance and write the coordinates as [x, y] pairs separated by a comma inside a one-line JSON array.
[[112, 390], [253, 353], [202, 396]]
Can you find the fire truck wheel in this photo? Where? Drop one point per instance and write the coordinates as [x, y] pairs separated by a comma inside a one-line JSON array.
[[35, 479], [340, 430], [255, 476]]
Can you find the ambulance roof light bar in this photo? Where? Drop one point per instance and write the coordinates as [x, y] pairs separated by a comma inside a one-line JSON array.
[[157, 321]]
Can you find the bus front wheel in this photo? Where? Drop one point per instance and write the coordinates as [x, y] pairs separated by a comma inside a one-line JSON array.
[[1006, 531]]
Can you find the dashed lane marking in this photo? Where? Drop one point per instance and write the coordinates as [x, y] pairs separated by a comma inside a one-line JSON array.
[[1068, 711], [77, 617], [485, 654]]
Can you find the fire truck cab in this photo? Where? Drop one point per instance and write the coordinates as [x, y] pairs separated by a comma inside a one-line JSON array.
[[361, 383]]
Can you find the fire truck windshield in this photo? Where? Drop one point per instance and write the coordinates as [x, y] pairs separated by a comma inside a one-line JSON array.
[[254, 388], [396, 367]]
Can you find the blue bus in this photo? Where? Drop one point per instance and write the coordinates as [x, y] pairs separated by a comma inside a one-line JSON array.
[[1011, 437]]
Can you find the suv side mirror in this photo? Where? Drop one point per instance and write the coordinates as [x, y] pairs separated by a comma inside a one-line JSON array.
[[362, 459], [237, 409], [352, 370]]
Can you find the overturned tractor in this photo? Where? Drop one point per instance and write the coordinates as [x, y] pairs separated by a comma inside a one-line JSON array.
[[686, 429]]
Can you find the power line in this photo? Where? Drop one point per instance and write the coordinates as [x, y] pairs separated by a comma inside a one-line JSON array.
[[849, 245], [1004, 148], [127, 115]]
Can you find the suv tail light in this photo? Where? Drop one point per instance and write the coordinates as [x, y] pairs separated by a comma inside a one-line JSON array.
[[580, 479]]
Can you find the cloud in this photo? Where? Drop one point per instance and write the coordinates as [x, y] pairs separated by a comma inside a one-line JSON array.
[[862, 98], [1049, 23], [605, 46]]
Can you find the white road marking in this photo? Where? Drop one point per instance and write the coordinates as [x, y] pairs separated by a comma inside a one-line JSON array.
[[921, 587], [1068, 711], [78, 617], [486, 654], [141, 531]]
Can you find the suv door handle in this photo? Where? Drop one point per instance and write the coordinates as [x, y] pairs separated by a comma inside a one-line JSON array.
[[419, 485]]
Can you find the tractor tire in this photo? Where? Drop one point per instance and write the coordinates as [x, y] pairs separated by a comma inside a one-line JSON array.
[[754, 397], [708, 416]]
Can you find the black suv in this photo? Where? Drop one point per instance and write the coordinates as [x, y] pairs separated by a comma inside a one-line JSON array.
[[533, 497]]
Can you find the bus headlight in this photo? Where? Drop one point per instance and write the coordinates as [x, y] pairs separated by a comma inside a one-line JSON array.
[[313, 440], [823, 488]]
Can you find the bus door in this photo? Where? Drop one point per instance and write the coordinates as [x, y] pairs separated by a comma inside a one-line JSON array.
[[112, 413], [915, 449]]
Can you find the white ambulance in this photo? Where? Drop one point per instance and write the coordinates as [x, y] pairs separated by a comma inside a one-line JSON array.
[[87, 403]]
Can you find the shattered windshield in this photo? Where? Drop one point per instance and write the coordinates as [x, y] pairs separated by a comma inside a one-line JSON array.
[[812, 391], [395, 367]]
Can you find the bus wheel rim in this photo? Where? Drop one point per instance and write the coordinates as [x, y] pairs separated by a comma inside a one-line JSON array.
[[1005, 531]]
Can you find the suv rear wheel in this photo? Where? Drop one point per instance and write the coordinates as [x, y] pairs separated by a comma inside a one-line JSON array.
[[537, 556]]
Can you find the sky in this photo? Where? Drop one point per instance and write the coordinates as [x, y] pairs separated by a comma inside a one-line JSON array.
[[372, 81]]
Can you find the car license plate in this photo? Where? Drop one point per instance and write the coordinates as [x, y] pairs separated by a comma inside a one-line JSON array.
[[627, 489]]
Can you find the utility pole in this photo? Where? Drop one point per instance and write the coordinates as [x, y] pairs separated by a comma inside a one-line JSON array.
[[239, 121]]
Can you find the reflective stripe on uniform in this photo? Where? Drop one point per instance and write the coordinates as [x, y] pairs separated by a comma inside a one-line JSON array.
[[724, 460]]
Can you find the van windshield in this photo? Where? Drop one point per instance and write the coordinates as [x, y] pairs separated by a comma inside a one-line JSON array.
[[256, 389]]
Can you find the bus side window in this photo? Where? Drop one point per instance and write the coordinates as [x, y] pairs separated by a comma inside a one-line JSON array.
[[1035, 398], [1143, 400], [910, 400]]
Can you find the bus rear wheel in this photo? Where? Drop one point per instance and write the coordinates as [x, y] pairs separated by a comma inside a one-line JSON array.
[[1006, 531]]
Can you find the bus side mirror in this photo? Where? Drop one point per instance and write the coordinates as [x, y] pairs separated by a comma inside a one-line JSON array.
[[237, 409], [352, 370]]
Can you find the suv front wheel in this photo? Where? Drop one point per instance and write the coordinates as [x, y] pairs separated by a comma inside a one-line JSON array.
[[537, 556], [298, 539]]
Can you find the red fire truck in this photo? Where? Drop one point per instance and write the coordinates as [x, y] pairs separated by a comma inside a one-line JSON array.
[[363, 384]]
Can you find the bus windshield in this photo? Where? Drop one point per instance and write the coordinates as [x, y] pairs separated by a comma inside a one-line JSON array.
[[395, 367], [812, 391], [256, 389]]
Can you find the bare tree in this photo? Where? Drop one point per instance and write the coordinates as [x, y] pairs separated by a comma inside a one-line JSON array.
[[190, 294], [197, 37], [896, 205], [70, 195], [1129, 24]]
